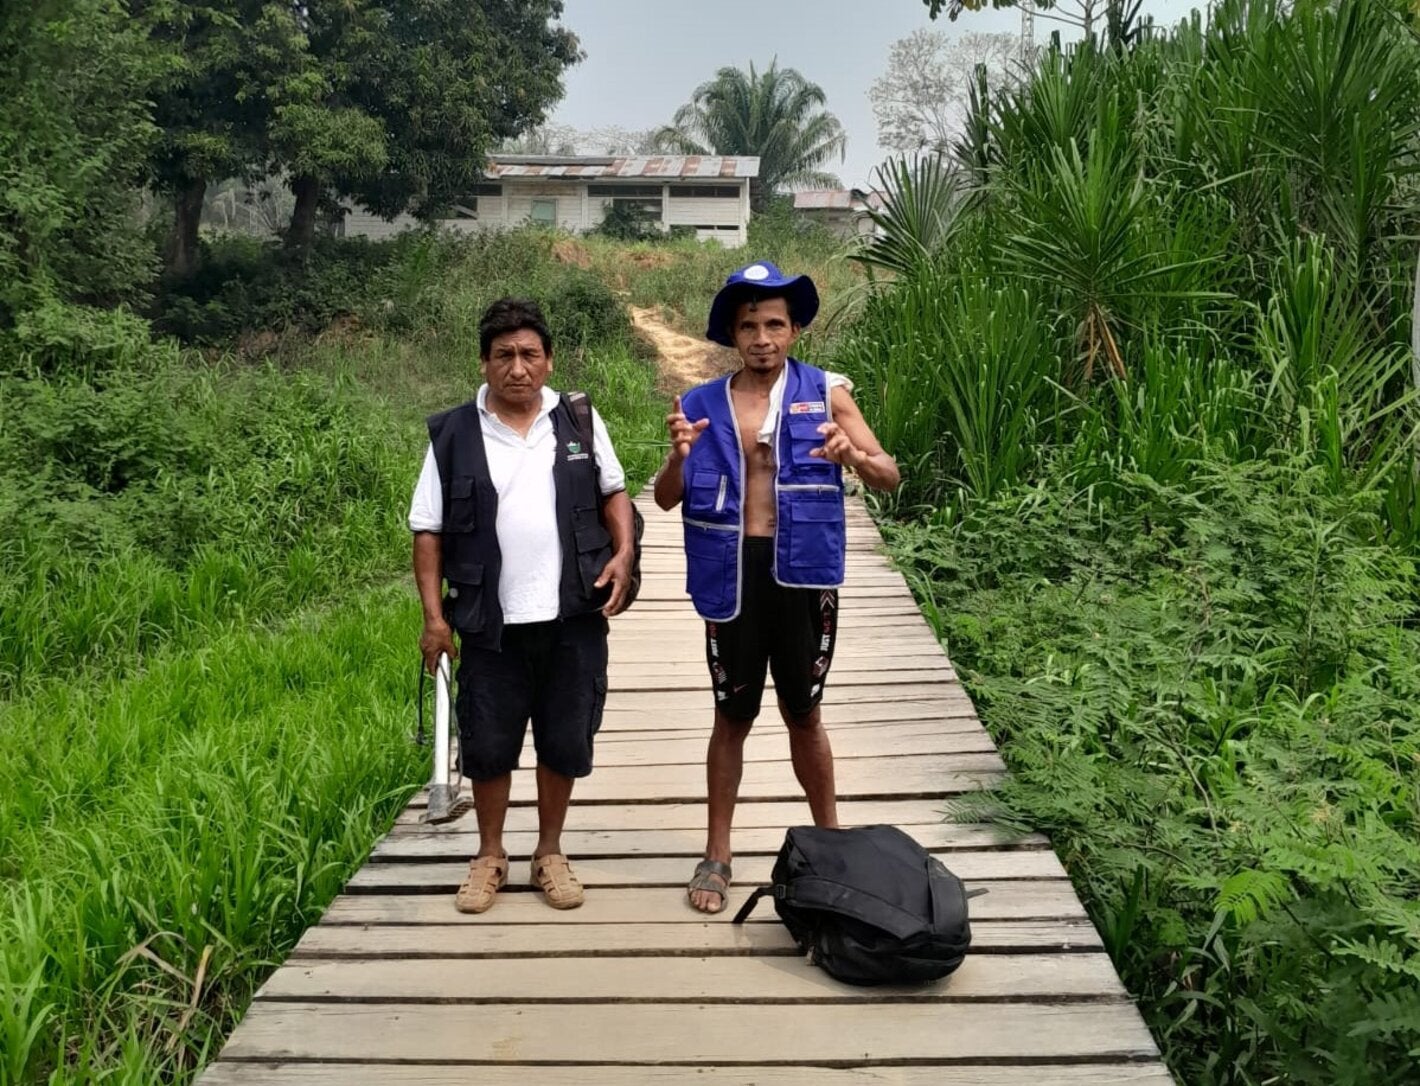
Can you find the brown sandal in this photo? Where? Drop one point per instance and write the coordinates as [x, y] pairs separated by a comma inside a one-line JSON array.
[[707, 872], [552, 874], [486, 876]]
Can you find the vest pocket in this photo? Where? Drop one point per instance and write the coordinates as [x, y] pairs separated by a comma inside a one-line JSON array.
[[817, 537], [593, 552], [706, 493], [461, 515], [710, 572], [803, 439], [463, 606]]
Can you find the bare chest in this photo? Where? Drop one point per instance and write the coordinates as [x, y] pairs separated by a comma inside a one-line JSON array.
[[750, 413]]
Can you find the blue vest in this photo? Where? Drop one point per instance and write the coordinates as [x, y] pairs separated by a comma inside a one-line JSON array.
[[810, 529]]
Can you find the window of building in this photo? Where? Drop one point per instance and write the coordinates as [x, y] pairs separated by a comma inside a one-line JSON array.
[[705, 192], [544, 212], [645, 191], [469, 207]]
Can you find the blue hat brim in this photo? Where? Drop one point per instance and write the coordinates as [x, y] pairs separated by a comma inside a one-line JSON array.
[[799, 290]]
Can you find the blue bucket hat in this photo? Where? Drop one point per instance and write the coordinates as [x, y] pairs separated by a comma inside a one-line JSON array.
[[753, 280]]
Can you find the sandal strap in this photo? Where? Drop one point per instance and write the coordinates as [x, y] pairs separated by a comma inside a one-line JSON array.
[[555, 869]]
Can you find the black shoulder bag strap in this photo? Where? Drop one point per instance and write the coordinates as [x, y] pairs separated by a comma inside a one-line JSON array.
[[581, 405]]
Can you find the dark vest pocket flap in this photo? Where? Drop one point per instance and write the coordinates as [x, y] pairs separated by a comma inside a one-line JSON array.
[[457, 571], [592, 538], [461, 515]]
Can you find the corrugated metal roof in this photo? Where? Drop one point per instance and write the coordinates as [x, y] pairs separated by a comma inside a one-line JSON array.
[[582, 166]]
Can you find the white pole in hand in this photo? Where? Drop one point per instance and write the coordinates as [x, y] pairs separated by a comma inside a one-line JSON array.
[[441, 793]]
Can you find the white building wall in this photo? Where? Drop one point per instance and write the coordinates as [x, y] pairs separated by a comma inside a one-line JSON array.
[[363, 223], [723, 220]]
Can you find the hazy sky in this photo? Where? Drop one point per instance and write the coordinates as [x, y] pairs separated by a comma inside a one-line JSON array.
[[645, 57]]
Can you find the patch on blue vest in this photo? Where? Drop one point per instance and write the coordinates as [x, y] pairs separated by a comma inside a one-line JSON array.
[[807, 407]]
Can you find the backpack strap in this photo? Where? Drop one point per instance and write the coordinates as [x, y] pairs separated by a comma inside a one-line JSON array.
[[748, 906], [581, 405]]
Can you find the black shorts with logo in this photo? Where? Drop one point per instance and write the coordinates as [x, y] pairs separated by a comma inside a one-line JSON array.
[[789, 630], [553, 673]]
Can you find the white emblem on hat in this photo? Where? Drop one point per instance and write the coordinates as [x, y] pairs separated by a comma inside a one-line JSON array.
[[756, 272]]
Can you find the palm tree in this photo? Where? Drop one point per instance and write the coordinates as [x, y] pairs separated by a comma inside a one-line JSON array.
[[776, 114]]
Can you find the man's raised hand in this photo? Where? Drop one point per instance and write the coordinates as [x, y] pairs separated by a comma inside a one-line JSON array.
[[837, 447], [684, 433]]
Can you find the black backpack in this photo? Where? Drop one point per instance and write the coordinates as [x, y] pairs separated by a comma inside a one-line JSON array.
[[581, 405], [869, 905]]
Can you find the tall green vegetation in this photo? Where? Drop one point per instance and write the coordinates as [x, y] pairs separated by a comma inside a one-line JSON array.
[[776, 114], [74, 133], [1143, 348]]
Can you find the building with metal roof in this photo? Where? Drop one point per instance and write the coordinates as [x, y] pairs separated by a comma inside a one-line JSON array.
[[706, 193]]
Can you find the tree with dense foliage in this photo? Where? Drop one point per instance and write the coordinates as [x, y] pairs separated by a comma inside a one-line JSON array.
[[74, 132], [395, 103], [776, 114], [238, 63], [444, 82], [921, 102]]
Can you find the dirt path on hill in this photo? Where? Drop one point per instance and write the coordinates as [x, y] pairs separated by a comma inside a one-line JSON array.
[[684, 360]]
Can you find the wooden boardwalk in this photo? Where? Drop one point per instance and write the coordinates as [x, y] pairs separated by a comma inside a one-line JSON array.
[[395, 986]]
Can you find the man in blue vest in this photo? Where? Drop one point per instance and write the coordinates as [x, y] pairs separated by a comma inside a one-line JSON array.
[[532, 532], [756, 462]]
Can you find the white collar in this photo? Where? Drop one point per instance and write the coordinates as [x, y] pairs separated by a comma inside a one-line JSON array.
[[549, 401]]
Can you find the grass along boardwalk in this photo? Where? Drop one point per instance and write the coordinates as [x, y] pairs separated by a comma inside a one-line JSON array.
[[395, 986]]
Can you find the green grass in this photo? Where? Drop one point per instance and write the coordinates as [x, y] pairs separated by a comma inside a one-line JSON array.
[[190, 820]]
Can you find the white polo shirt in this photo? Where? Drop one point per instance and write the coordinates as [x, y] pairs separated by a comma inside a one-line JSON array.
[[521, 470]]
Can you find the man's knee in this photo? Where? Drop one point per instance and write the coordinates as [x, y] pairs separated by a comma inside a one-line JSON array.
[[801, 719], [734, 726]]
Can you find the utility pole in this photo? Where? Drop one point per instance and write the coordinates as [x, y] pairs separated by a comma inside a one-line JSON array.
[[1027, 49]]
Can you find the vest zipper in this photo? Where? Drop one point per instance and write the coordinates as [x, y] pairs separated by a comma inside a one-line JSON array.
[[720, 497], [712, 527]]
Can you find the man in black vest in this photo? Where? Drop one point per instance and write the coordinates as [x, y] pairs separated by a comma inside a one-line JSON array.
[[532, 532]]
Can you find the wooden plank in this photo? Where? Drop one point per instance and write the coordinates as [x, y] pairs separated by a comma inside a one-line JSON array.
[[1033, 899], [678, 654], [683, 980], [877, 680], [857, 778], [834, 694], [691, 1035], [713, 937], [695, 713], [681, 816], [443, 877], [231, 1073], [774, 747], [765, 841], [853, 730]]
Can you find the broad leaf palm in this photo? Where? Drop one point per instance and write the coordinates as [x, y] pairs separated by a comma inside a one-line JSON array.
[[776, 114]]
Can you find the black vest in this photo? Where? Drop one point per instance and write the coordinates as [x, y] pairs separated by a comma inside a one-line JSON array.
[[472, 559]]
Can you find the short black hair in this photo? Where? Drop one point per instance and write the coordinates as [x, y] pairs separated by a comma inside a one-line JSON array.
[[747, 292], [511, 315]]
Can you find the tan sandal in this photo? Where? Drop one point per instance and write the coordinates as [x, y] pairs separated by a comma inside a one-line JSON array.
[[552, 874], [486, 876]]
